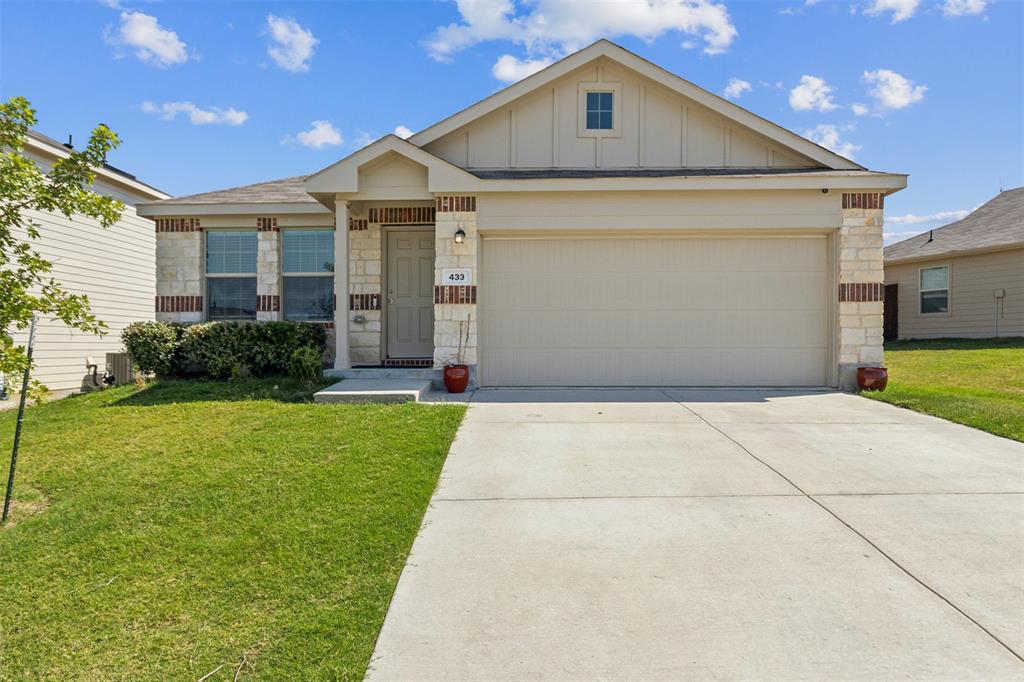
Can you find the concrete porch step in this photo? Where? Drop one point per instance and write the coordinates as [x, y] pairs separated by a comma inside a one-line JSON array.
[[374, 391], [425, 373]]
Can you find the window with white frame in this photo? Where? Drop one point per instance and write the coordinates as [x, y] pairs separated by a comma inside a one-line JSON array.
[[307, 266], [935, 290], [599, 110], [231, 274]]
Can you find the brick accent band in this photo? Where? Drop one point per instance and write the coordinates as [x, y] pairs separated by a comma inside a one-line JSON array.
[[395, 215], [179, 304], [266, 303], [358, 224], [409, 362], [864, 200], [861, 292], [178, 225], [455, 204], [364, 301], [447, 293], [266, 224]]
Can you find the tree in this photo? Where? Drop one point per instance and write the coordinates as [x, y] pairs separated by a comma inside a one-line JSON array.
[[26, 286]]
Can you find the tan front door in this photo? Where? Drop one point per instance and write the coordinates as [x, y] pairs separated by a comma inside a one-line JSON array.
[[655, 311], [410, 294]]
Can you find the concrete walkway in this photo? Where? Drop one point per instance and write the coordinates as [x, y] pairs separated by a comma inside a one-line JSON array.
[[680, 534]]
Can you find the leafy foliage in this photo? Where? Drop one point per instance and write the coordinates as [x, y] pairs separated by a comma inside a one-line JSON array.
[[155, 347], [26, 285], [222, 349], [305, 365]]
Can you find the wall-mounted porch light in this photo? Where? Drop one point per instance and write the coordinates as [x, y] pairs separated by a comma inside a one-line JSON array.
[[460, 235]]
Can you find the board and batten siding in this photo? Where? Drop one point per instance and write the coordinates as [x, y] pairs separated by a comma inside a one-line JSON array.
[[114, 267], [658, 129], [973, 279]]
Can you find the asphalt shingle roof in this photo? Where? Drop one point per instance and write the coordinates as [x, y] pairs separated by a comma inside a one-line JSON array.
[[286, 191], [997, 223]]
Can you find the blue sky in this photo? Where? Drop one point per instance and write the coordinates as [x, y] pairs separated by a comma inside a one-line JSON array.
[[209, 95]]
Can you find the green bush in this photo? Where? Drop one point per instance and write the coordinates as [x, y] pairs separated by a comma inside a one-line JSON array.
[[305, 365], [226, 349], [220, 349], [155, 347]]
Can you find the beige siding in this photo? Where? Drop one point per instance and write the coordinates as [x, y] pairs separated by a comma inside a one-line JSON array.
[[115, 268], [973, 281], [659, 129]]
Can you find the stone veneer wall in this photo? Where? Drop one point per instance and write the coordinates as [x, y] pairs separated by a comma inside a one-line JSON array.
[[179, 269], [365, 288], [455, 306], [861, 288]]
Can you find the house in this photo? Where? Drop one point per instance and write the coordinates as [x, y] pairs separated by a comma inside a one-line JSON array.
[[602, 222], [962, 280], [114, 267]]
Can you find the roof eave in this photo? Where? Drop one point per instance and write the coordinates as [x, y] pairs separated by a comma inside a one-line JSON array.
[[946, 255], [160, 209]]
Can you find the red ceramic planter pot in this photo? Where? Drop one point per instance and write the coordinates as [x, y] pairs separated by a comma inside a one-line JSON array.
[[456, 378], [872, 378]]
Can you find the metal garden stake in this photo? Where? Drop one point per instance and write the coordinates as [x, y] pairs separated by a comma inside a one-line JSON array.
[[21, 418]]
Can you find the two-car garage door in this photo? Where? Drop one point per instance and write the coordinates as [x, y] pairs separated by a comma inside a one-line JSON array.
[[654, 311]]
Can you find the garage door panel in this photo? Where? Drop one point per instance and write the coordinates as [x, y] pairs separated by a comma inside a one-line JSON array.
[[669, 311]]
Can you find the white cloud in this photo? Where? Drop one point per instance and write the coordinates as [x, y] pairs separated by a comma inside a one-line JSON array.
[[556, 27], [735, 88], [112, 4], [892, 90], [901, 9], [196, 115], [938, 217], [153, 43], [812, 93], [509, 69], [292, 45], [959, 8], [830, 137], [860, 109], [403, 132], [321, 135]]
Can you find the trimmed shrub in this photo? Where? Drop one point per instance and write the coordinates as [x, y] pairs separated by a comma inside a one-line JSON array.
[[305, 365], [155, 347], [226, 349]]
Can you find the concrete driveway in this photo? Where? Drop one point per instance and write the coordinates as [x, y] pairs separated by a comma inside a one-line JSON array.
[[717, 534]]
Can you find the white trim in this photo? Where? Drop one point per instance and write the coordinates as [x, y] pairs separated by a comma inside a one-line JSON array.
[[604, 48], [149, 210], [921, 291], [583, 89]]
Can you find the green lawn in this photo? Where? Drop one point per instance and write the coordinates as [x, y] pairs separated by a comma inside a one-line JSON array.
[[193, 526], [975, 382]]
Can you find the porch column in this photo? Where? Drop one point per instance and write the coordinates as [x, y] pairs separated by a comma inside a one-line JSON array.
[[341, 302], [861, 285]]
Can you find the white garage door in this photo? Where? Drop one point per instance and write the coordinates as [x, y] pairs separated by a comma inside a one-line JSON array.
[[654, 311]]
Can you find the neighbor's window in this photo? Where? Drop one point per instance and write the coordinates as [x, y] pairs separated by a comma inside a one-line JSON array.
[[599, 110], [306, 255], [935, 290], [231, 274]]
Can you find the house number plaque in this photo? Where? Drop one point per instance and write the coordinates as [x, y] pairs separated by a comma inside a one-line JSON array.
[[457, 276]]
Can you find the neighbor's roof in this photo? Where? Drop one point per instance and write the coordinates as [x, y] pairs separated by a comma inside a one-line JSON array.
[[997, 224], [286, 191]]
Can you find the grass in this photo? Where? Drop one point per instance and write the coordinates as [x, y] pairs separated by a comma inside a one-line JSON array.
[[977, 382], [200, 526]]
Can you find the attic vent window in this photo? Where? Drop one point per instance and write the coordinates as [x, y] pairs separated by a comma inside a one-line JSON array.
[[599, 110]]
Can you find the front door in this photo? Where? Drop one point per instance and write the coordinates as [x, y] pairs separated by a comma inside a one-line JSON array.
[[891, 313], [410, 294]]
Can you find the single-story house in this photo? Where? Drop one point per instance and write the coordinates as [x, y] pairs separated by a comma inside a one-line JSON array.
[[602, 222], [114, 267], [965, 279]]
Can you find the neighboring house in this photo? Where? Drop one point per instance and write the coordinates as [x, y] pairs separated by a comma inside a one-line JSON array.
[[962, 280], [114, 267], [601, 222]]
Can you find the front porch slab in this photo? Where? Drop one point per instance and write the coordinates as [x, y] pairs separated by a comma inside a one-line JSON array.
[[374, 391]]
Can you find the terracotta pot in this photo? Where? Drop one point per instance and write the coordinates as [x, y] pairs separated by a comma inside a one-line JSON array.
[[456, 378], [872, 378]]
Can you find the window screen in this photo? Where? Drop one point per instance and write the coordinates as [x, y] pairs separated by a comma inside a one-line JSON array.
[[308, 298], [935, 290], [230, 251], [231, 298], [599, 110], [307, 250]]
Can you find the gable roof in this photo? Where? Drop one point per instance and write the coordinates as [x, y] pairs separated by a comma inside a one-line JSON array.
[[606, 48], [997, 224]]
